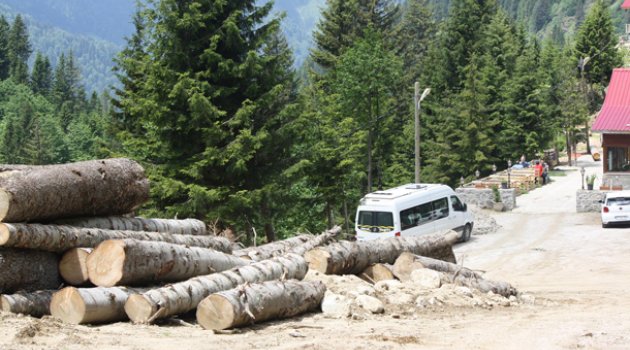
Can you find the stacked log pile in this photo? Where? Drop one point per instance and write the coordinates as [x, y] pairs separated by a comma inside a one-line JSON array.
[[75, 257]]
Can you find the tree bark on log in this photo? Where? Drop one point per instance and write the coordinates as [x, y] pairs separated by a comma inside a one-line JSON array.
[[59, 238], [28, 270], [451, 273], [272, 249], [91, 188], [178, 227], [377, 272], [132, 262], [73, 266], [320, 240], [297, 245], [91, 305], [35, 304], [353, 257], [258, 302], [182, 297]]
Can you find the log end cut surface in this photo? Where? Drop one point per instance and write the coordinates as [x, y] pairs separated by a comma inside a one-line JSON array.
[[5, 305], [5, 233], [68, 306], [105, 263], [216, 313], [318, 260], [73, 266], [5, 199], [139, 309]]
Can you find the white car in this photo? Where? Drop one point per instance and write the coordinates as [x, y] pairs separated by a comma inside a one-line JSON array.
[[616, 208]]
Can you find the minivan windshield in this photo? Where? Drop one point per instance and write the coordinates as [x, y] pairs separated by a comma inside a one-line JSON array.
[[376, 221]]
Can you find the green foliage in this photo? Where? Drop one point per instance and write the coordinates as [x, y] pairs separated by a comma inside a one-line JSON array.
[[19, 49], [41, 77]]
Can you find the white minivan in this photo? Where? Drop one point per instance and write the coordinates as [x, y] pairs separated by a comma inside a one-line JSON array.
[[412, 210]]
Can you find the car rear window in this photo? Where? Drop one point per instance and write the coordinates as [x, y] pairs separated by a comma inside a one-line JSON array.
[[618, 201]]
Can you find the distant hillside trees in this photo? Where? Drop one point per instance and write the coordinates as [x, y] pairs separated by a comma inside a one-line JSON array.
[[43, 113]]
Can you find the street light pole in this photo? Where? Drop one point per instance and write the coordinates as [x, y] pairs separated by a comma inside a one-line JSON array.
[[417, 100], [585, 89]]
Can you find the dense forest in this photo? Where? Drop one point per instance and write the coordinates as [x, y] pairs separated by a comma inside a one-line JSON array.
[[209, 101]]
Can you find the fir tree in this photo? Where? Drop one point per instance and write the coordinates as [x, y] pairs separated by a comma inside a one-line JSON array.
[[41, 77], [5, 63], [342, 22], [204, 106], [19, 51], [596, 42]]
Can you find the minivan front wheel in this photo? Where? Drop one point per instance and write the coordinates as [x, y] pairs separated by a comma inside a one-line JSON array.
[[466, 233]]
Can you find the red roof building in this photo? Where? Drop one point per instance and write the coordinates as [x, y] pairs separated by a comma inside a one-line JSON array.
[[626, 5], [613, 122]]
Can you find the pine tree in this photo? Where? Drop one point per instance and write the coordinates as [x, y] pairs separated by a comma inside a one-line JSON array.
[[19, 51], [41, 77], [5, 64], [67, 91]]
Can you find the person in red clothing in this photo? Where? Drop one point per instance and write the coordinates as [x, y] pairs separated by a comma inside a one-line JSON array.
[[538, 171]]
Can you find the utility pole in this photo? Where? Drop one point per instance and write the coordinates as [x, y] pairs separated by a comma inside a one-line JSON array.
[[417, 99], [586, 91]]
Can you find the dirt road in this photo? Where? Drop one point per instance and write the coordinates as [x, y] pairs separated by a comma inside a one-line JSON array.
[[577, 273]]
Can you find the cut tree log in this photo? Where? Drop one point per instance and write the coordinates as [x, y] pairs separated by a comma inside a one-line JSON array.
[[59, 238], [259, 302], [182, 297], [178, 227], [133, 262], [320, 240], [353, 257], [91, 188], [36, 304], [297, 245], [73, 266], [272, 249], [451, 273], [377, 272], [28, 271], [91, 305]]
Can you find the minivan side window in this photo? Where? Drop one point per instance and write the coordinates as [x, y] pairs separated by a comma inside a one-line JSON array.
[[424, 213], [457, 204]]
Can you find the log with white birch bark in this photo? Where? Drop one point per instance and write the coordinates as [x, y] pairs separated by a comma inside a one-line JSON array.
[[353, 257], [59, 238], [179, 227], [73, 266], [133, 262], [91, 305], [259, 302], [91, 188], [184, 296], [451, 273], [36, 304], [28, 270], [377, 272]]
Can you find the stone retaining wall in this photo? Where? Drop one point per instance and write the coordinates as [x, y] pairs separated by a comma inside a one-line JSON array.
[[484, 198], [588, 201]]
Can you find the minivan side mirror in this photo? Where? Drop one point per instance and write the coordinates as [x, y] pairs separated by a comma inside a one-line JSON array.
[[465, 207]]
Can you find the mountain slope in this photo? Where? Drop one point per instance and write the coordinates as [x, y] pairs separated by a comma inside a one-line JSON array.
[[93, 55]]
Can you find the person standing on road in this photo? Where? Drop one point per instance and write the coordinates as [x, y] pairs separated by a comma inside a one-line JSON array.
[[538, 172]]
